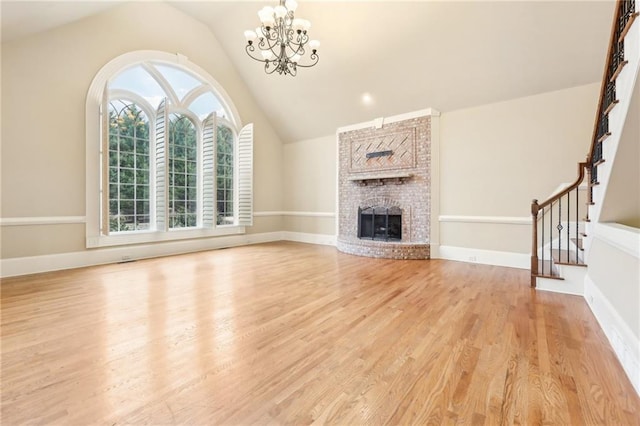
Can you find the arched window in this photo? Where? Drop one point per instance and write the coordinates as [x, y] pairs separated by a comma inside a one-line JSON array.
[[129, 208], [183, 172], [172, 160]]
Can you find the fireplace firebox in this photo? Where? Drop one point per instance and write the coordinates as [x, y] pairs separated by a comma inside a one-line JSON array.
[[380, 223]]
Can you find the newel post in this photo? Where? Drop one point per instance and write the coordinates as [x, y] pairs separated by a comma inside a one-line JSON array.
[[534, 241]]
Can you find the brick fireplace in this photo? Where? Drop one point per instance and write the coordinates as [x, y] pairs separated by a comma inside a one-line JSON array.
[[384, 189]]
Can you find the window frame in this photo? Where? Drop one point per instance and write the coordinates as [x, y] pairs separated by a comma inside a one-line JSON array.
[[151, 168], [95, 137]]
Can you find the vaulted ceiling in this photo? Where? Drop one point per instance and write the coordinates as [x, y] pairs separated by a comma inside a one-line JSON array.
[[408, 55]]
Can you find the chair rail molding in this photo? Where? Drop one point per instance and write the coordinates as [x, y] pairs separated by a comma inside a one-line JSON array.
[[507, 220], [294, 213], [42, 220]]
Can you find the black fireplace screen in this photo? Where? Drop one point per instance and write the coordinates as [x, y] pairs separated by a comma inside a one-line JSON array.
[[380, 223]]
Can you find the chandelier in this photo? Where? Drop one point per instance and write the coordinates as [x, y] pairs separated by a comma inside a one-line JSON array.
[[282, 40]]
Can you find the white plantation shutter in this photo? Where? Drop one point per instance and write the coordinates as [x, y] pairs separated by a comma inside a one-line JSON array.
[[208, 169], [245, 176], [104, 148], [161, 167]]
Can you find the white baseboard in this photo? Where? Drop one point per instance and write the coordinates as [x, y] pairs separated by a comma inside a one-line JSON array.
[[624, 342], [55, 262], [302, 237], [99, 256], [486, 257]]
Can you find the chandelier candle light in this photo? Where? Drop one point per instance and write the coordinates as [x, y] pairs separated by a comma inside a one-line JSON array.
[[282, 40]]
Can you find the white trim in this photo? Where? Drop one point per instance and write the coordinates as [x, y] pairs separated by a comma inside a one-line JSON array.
[[302, 237], [55, 262], [387, 120], [292, 213], [508, 220], [624, 238], [485, 257], [625, 343], [141, 237], [44, 220]]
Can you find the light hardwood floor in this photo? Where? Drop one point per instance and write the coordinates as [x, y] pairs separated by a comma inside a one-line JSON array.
[[295, 334]]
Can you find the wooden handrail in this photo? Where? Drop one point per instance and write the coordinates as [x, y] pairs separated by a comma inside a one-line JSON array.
[[603, 89], [555, 197]]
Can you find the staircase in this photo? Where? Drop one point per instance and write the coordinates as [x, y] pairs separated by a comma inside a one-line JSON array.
[[562, 223]]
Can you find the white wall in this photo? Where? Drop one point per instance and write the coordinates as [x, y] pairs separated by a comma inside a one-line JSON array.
[[45, 78], [310, 185], [612, 289], [496, 158]]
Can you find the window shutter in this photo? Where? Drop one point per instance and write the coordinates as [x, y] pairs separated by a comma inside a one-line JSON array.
[[245, 176], [104, 157], [208, 169], [161, 168]]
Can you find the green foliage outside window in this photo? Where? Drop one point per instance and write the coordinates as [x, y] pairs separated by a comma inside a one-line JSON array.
[[183, 172], [224, 176], [129, 208]]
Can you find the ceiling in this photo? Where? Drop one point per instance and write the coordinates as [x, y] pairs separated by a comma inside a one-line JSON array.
[[408, 55]]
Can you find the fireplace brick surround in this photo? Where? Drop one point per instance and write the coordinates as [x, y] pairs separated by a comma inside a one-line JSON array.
[[387, 166]]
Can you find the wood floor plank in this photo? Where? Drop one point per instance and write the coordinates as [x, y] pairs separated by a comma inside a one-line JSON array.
[[288, 333]]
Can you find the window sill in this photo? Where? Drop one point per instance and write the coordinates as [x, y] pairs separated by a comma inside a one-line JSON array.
[[156, 237]]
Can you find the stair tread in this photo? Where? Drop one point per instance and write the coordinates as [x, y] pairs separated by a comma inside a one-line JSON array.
[[611, 105], [546, 269], [577, 242], [628, 25], [566, 257], [603, 137], [618, 70]]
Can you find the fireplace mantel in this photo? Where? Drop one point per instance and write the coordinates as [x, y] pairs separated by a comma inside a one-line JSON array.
[[381, 179]]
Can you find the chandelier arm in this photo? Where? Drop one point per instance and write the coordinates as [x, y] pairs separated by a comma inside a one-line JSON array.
[[314, 57], [292, 69], [299, 50], [266, 68], [268, 43], [249, 48]]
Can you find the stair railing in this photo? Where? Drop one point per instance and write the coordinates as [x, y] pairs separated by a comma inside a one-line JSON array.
[[556, 227], [544, 236], [624, 16]]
